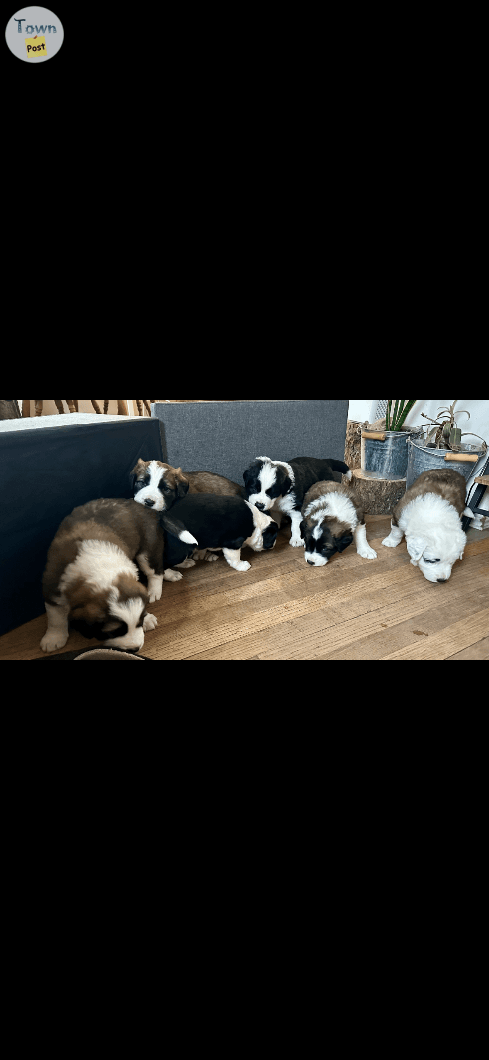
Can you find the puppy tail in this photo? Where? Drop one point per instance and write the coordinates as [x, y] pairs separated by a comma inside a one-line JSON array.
[[175, 527]]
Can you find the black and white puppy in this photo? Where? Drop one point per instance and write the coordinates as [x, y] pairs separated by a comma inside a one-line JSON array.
[[332, 517], [218, 522], [275, 485]]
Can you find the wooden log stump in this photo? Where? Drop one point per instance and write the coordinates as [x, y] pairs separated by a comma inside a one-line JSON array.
[[379, 495], [353, 449]]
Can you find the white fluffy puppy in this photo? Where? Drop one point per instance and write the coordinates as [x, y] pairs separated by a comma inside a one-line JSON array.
[[429, 515]]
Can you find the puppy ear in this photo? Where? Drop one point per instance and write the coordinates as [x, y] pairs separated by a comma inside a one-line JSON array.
[[133, 477], [287, 486], [343, 542], [416, 546], [183, 485], [89, 613], [246, 476]]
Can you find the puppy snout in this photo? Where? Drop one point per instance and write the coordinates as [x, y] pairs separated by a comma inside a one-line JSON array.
[[442, 580], [149, 504], [260, 506], [311, 562]]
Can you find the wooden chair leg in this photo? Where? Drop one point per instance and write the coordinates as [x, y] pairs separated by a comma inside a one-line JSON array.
[[122, 408], [38, 408], [59, 406], [147, 407], [140, 407], [96, 406], [106, 405], [71, 404]]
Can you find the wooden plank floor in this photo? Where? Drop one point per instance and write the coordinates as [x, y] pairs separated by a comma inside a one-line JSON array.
[[283, 609]]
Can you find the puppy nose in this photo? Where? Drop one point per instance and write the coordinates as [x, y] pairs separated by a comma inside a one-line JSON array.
[[441, 580], [149, 504], [311, 562], [260, 506]]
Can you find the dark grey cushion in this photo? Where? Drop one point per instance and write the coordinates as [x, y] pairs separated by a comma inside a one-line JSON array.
[[227, 436]]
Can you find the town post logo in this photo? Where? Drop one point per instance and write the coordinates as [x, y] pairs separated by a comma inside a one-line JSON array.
[[34, 34]]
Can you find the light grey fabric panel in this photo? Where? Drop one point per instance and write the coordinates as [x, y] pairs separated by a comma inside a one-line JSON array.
[[226, 437]]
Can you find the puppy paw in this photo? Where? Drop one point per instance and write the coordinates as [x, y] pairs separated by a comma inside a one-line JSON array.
[[367, 553], [211, 557], [172, 576], [53, 640], [390, 542], [186, 564], [155, 590], [200, 554], [243, 565], [297, 542], [149, 622]]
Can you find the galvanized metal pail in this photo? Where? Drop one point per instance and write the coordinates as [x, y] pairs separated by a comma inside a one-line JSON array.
[[422, 459], [386, 452]]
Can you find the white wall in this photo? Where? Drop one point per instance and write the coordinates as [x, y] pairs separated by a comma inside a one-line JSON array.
[[359, 410]]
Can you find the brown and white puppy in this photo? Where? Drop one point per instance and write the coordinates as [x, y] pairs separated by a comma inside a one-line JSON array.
[[158, 486], [429, 515], [332, 517], [91, 577]]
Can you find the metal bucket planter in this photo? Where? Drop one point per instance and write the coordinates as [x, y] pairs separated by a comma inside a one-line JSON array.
[[385, 453], [420, 459]]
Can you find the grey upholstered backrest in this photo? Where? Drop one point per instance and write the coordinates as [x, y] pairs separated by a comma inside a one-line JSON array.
[[225, 437]]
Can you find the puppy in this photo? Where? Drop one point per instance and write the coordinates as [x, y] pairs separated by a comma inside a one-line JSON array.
[[159, 486], [274, 484], [91, 577], [429, 515], [227, 523], [332, 517]]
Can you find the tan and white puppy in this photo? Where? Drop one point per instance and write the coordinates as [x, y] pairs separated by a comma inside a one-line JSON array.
[[332, 517], [91, 580], [429, 515], [159, 486]]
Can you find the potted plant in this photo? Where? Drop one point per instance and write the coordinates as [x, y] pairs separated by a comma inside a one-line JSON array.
[[443, 447], [385, 447]]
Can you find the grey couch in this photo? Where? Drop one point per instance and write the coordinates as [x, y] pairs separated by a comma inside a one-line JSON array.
[[226, 436]]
